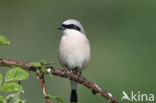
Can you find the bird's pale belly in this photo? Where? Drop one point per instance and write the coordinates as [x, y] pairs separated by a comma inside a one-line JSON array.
[[74, 54]]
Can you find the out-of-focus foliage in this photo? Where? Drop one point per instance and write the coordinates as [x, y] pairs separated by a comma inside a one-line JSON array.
[[58, 99], [1, 79], [4, 40], [12, 87], [14, 98], [14, 74]]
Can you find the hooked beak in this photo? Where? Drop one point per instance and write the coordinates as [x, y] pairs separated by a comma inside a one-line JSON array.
[[61, 28]]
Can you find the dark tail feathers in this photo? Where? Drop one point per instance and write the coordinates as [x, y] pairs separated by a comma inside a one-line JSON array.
[[73, 97]]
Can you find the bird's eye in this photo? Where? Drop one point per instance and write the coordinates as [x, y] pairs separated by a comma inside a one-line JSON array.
[[71, 26]]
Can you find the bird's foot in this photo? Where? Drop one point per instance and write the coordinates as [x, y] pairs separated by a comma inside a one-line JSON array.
[[64, 71], [78, 70]]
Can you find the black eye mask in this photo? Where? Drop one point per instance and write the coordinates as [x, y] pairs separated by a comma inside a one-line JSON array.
[[71, 26]]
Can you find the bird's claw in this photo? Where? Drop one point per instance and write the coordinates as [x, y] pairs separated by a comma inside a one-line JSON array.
[[64, 71]]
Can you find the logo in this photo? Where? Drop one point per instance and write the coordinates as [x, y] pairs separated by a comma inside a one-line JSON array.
[[137, 97]]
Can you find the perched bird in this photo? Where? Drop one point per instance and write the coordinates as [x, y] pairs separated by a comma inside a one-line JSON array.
[[74, 51]]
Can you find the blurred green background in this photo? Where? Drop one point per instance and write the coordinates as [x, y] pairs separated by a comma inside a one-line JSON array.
[[122, 35]]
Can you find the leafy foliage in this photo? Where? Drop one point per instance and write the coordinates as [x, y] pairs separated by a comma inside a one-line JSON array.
[[1, 79], [43, 65], [58, 99], [16, 74], [37, 64], [15, 98], [12, 87], [4, 40]]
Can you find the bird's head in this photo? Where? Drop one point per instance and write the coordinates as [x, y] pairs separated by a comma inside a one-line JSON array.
[[72, 24]]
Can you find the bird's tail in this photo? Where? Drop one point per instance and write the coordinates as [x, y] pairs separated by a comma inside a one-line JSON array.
[[73, 96]]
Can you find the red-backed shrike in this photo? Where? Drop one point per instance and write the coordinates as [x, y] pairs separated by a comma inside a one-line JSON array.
[[74, 51]]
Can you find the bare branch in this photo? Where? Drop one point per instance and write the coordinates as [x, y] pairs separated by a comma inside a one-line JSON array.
[[41, 77], [66, 74]]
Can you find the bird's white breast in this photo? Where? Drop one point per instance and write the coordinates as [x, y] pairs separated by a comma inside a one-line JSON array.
[[74, 50]]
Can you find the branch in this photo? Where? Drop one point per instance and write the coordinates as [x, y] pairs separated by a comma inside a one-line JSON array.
[[41, 77], [66, 74]]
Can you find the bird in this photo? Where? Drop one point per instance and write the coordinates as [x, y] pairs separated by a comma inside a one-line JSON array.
[[74, 51]]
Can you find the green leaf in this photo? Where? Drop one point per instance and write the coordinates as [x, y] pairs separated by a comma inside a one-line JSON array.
[[2, 100], [43, 68], [10, 96], [1, 79], [58, 99], [12, 87], [4, 40], [44, 62], [16, 74], [15, 98], [37, 64], [50, 75]]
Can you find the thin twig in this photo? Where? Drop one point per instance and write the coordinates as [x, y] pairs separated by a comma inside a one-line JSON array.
[[41, 77], [67, 74]]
